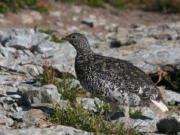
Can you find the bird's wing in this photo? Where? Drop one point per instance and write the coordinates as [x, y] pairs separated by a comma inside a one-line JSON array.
[[122, 72]]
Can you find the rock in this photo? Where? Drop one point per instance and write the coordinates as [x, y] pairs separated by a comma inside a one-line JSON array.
[[92, 21], [31, 17], [35, 117], [12, 103], [172, 96], [89, 22], [59, 24], [21, 38], [44, 47], [45, 94], [1, 15], [115, 44], [55, 13], [89, 103], [151, 58], [27, 19], [6, 121], [169, 124], [36, 15], [55, 130], [22, 51], [146, 133], [76, 9], [50, 93], [146, 111], [141, 124], [72, 29], [16, 116], [3, 21], [4, 52]]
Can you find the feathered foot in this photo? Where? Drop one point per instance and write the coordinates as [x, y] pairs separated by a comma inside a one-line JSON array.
[[160, 105], [126, 112]]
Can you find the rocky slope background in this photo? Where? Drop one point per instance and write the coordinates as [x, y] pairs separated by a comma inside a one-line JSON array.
[[39, 93]]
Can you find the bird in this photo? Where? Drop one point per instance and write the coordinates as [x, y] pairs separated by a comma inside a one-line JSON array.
[[113, 80]]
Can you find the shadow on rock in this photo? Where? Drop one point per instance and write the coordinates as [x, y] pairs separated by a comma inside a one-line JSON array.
[[121, 114]]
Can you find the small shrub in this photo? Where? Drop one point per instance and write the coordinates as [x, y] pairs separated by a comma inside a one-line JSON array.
[[15, 5], [65, 85], [51, 35], [87, 120], [69, 91], [167, 6], [92, 3], [118, 3], [169, 79], [136, 112], [95, 3]]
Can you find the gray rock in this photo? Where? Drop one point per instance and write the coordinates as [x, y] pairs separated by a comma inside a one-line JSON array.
[[88, 21], [56, 130], [146, 111], [55, 13], [146, 133], [89, 103], [20, 38], [6, 121], [59, 24], [23, 50], [36, 15], [45, 94], [18, 116], [169, 124], [27, 19], [92, 21], [4, 52], [50, 91], [172, 96], [142, 125]]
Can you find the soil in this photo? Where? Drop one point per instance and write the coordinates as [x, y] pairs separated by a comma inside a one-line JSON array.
[[71, 17]]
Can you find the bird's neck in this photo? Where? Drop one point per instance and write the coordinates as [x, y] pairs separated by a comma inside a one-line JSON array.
[[84, 51], [84, 55]]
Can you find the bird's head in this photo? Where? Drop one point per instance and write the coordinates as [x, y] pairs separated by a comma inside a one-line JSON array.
[[79, 41]]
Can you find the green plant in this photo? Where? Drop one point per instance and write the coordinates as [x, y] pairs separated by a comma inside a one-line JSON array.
[[80, 118], [48, 76], [118, 3], [51, 35], [65, 85], [170, 79], [69, 91], [136, 112], [15, 5], [167, 6], [95, 3]]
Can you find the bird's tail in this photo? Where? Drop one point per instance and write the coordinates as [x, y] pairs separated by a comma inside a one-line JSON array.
[[160, 105]]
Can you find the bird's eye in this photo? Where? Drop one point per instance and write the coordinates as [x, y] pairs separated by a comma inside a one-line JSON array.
[[73, 37]]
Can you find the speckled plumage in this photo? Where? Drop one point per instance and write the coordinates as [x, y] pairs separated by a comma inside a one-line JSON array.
[[112, 80]]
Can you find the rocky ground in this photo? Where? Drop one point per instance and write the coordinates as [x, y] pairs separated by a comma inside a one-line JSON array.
[[149, 40]]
